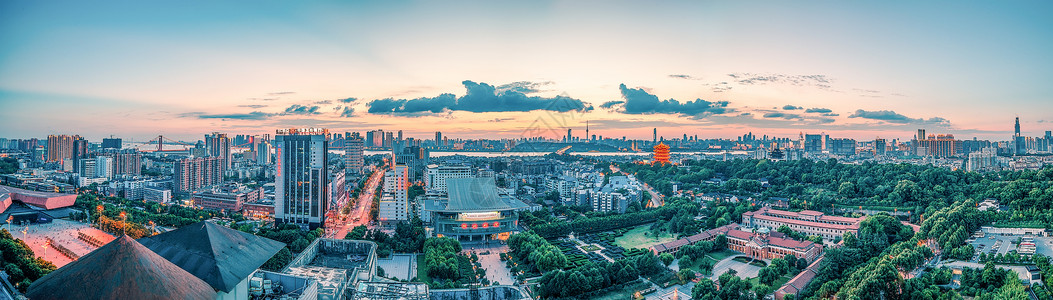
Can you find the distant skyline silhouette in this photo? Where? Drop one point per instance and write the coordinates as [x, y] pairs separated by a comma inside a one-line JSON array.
[[488, 70]]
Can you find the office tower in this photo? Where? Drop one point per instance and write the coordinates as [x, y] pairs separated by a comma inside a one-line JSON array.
[[301, 194], [921, 135], [655, 135], [354, 152], [570, 137], [394, 204], [400, 135], [111, 143], [218, 145], [1019, 143], [389, 139], [438, 139], [263, 153], [191, 174], [879, 147]]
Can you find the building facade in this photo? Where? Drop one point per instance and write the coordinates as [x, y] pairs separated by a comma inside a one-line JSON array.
[[191, 174], [473, 211], [301, 192], [228, 197], [765, 244], [808, 222], [394, 203], [354, 152], [436, 175], [218, 145]]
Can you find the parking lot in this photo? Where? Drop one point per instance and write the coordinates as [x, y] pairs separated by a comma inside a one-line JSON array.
[[994, 244]]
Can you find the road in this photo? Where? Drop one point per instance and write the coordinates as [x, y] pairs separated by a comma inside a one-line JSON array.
[[360, 212], [656, 199]]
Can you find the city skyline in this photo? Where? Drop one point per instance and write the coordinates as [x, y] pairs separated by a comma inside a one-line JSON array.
[[477, 71]]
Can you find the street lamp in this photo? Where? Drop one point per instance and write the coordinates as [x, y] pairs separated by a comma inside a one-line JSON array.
[[124, 223]]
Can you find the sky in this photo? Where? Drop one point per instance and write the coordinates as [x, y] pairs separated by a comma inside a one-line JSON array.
[[509, 69]]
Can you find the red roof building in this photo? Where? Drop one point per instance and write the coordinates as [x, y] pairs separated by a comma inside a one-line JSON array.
[[764, 244], [808, 222]]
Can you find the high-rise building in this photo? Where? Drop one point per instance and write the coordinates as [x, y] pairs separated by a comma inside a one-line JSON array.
[[813, 143], [263, 153], [415, 158], [879, 147], [60, 147], [389, 139], [436, 176], [86, 168], [983, 160], [301, 193], [354, 152], [191, 174], [111, 143], [654, 135], [438, 139], [218, 145], [842, 146], [943, 145], [125, 162], [570, 137], [921, 135], [400, 135], [1019, 142], [394, 204], [103, 167], [63, 148]]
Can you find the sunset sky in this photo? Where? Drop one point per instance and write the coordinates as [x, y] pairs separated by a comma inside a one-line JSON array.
[[136, 69]]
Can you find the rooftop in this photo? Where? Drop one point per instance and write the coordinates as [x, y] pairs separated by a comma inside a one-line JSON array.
[[122, 269], [220, 256]]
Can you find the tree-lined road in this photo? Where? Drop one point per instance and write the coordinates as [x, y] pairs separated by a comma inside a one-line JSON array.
[[360, 212]]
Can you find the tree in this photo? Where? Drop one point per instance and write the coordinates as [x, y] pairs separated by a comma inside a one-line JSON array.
[[666, 258], [685, 275], [703, 288]]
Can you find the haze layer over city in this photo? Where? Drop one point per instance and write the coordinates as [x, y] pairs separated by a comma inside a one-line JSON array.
[[526, 150]]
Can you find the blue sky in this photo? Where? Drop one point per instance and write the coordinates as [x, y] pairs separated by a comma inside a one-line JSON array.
[[490, 69]]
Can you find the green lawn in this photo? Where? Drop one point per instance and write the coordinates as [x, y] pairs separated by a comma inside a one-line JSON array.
[[718, 256], [422, 270], [640, 237]]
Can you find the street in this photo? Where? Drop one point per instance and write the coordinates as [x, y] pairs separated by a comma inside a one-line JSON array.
[[360, 212], [656, 199]]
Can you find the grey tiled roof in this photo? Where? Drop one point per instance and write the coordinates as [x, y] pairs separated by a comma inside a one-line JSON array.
[[220, 256]]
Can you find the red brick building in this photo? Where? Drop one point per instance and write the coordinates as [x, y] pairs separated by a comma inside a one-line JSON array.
[[769, 245]]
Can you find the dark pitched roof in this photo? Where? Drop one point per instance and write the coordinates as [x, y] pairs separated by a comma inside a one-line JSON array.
[[122, 269], [220, 256]]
